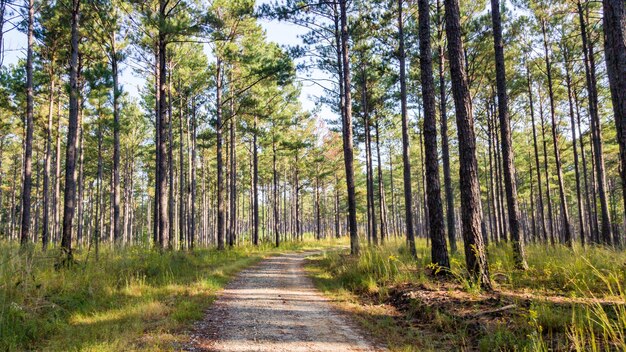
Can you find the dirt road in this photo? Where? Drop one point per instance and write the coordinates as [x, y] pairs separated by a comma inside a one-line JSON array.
[[274, 306]]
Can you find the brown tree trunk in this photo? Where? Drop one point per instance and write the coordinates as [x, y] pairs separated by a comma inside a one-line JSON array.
[[596, 128], [28, 145], [163, 219], [439, 250], [116, 142], [384, 230], [471, 212], [255, 184], [45, 234], [220, 162], [519, 255], [445, 149], [614, 23], [545, 169], [348, 155], [581, 210], [72, 139], [406, 159], [557, 155]]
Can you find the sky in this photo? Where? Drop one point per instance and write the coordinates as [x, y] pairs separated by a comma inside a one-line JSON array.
[[280, 32]]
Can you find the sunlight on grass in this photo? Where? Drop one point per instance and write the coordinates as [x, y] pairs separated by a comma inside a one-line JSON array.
[[131, 299], [575, 296]]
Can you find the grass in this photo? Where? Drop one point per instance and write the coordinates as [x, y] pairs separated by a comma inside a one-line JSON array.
[[569, 299], [133, 299]]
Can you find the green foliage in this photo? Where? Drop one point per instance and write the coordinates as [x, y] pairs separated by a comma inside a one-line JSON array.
[[574, 297], [130, 299]]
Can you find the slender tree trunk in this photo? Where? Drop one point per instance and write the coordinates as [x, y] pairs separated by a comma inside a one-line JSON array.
[[182, 223], [45, 235], [439, 250], [445, 149], [157, 143], [163, 219], [585, 172], [406, 159], [371, 208], [193, 182], [275, 191], [384, 229], [581, 210], [540, 196], [233, 170], [255, 183], [557, 155], [72, 139], [596, 135], [116, 142], [220, 163], [519, 255], [170, 163], [28, 145], [348, 155], [471, 212], [545, 169]]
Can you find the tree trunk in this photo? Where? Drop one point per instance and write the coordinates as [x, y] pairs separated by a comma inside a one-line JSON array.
[[116, 143], [581, 210], [220, 162], [371, 208], [406, 160], [545, 169], [255, 183], [163, 219], [384, 230], [72, 139], [471, 212], [28, 145], [445, 149], [348, 155], [557, 155], [614, 23], [439, 250], [45, 235], [596, 128], [519, 255]]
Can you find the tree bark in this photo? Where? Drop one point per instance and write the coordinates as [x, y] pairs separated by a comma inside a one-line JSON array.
[[519, 255], [471, 212], [72, 139], [445, 149], [557, 155], [614, 23], [163, 219], [348, 154], [116, 142], [406, 159], [28, 145], [220, 162], [439, 250]]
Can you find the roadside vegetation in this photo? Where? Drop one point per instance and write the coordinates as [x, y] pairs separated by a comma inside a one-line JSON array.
[[129, 299], [568, 299]]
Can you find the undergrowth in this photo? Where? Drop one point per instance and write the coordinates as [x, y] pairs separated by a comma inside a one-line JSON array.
[[568, 299], [130, 299]]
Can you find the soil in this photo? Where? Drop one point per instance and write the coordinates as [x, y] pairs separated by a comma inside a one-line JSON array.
[[274, 306]]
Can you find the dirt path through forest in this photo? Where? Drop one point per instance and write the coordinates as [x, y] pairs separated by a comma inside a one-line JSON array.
[[274, 306]]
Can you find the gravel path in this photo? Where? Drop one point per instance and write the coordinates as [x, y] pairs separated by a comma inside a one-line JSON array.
[[274, 306]]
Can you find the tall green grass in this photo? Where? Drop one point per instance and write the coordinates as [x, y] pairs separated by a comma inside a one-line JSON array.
[[577, 298], [130, 299]]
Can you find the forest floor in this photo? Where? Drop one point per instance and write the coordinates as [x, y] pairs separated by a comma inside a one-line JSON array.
[[274, 306], [568, 300], [129, 299]]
